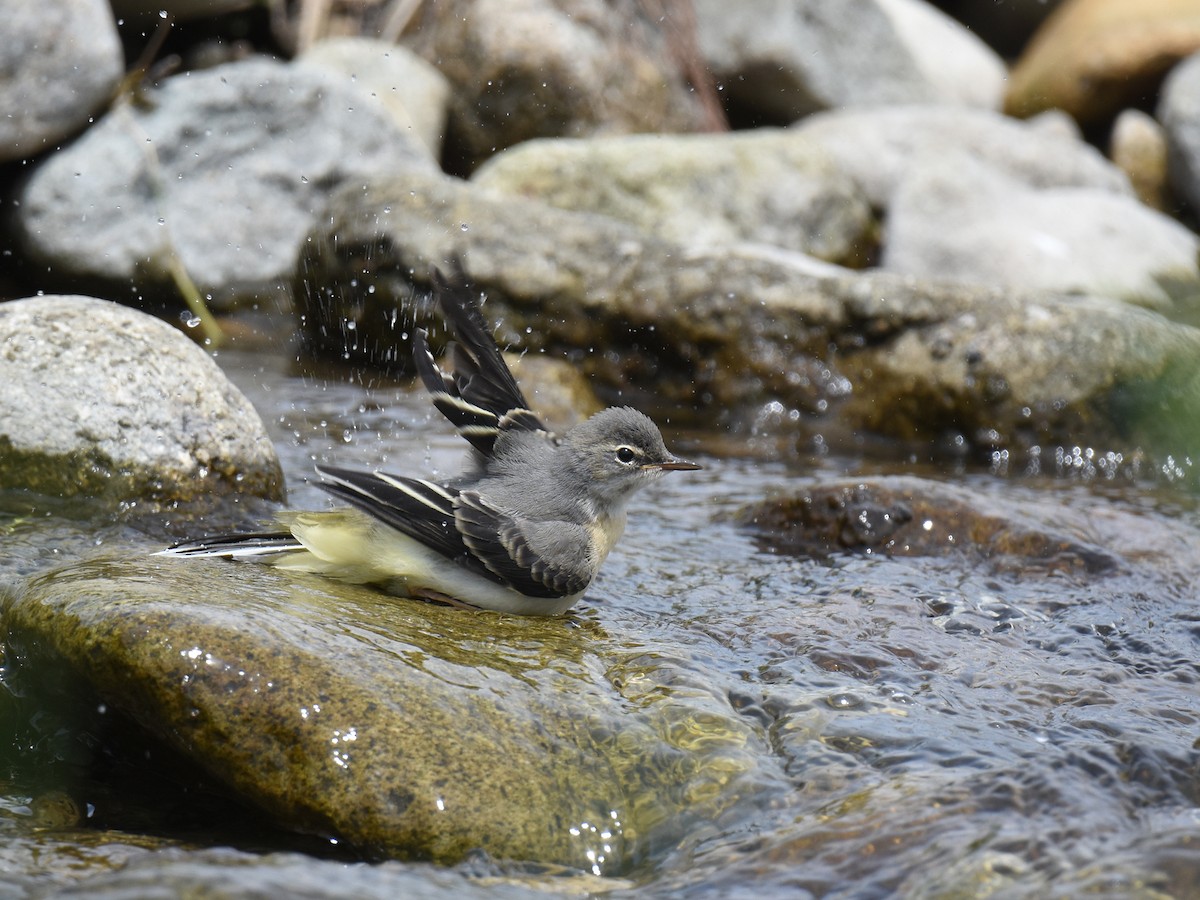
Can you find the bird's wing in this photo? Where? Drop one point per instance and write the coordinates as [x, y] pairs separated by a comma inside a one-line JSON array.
[[421, 509], [480, 397], [508, 546], [462, 526]]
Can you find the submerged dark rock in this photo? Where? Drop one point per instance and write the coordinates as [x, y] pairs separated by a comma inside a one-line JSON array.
[[908, 516]]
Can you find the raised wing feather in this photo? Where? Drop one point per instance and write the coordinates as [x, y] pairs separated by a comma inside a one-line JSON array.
[[480, 397], [421, 509]]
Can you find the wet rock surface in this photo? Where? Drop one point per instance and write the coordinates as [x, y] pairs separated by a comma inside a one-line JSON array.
[[58, 861], [226, 873], [104, 401], [733, 328], [399, 728], [955, 654], [767, 718], [901, 516]]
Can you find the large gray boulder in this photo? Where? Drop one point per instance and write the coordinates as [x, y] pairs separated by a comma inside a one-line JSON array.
[[223, 170], [102, 400], [784, 59], [60, 63], [879, 147], [769, 186], [956, 218], [725, 330]]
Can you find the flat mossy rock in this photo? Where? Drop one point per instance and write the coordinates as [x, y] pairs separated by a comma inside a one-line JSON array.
[[400, 728], [770, 186]]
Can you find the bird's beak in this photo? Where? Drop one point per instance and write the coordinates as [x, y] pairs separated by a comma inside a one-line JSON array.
[[673, 465]]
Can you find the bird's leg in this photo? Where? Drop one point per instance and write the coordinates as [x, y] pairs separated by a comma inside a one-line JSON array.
[[431, 596]]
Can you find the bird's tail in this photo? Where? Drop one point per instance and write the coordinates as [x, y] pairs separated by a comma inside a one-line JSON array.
[[237, 546]]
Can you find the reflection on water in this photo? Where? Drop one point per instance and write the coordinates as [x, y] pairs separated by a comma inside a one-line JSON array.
[[856, 725]]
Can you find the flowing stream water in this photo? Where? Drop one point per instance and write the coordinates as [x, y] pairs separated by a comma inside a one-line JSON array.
[[957, 725]]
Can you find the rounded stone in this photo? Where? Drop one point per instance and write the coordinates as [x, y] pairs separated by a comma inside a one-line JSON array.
[[220, 171], [103, 400], [60, 61]]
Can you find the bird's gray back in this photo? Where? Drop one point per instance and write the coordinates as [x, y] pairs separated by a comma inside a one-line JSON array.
[[506, 479]]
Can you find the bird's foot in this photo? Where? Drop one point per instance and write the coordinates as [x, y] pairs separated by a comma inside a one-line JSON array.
[[431, 596]]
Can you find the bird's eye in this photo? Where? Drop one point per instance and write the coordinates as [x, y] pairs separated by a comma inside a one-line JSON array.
[[626, 455]]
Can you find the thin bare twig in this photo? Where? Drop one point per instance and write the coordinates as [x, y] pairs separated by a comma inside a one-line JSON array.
[[314, 22], [397, 19]]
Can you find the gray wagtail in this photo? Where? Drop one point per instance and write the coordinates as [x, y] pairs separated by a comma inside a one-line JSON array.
[[525, 532]]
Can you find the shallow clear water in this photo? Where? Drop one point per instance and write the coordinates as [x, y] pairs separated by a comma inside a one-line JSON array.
[[927, 726]]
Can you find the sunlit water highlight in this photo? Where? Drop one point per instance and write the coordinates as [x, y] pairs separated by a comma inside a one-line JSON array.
[[921, 727]]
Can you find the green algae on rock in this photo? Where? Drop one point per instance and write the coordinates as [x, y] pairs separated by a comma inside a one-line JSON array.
[[399, 728]]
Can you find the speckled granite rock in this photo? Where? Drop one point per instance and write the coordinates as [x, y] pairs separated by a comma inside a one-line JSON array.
[[60, 62], [102, 400], [224, 169]]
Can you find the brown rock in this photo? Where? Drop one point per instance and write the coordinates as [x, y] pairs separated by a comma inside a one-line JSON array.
[[521, 69], [1139, 147], [1093, 58]]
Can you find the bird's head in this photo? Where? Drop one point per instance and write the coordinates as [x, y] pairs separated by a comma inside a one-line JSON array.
[[617, 451]]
